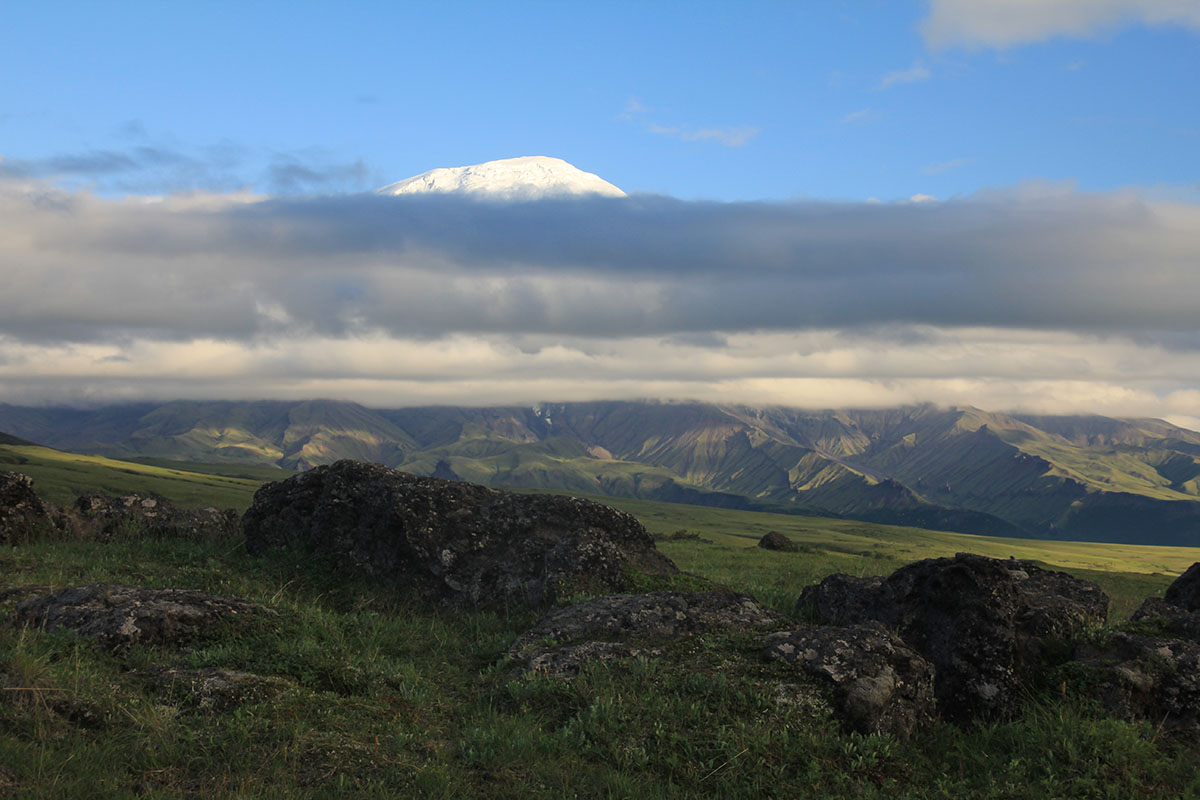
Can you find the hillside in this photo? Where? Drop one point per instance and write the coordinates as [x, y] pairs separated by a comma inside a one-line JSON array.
[[1082, 477]]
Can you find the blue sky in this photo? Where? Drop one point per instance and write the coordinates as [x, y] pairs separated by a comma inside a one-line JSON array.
[[728, 101], [984, 202]]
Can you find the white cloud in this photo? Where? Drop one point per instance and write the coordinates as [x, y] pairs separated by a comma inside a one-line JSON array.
[[917, 72], [1006, 23], [729, 137]]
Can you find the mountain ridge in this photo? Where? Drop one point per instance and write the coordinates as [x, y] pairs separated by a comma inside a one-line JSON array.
[[951, 468]]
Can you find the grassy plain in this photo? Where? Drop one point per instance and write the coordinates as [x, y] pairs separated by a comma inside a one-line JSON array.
[[376, 694]]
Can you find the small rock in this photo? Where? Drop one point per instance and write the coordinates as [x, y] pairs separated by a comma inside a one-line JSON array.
[[105, 518], [774, 540], [23, 515], [118, 616], [880, 684], [622, 625], [212, 689]]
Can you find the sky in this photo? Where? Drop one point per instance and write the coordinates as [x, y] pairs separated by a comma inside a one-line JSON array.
[[984, 202]]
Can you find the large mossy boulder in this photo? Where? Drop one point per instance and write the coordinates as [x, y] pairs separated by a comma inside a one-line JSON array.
[[454, 542], [983, 623]]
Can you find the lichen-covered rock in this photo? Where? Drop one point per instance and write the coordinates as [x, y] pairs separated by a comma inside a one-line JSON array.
[[568, 660], [625, 625], [980, 621], [213, 689], [1145, 678], [1185, 590], [774, 540], [23, 515], [104, 518], [118, 616], [454, 542], [880, 684]]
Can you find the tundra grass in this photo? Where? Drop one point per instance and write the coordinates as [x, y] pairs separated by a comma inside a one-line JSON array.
[[378, 694], [60, 477]]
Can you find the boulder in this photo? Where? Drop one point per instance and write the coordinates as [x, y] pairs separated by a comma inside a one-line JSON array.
[[880, 684], [774, 540], [104, 517], [454, 542], [1185, 590], [982, 622], [23, 515], [118, 616], [624, 625], [1145, 678]]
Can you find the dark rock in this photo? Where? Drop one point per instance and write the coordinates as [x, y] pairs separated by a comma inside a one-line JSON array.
[[23, 515], [212, 689], [1167, 620], [774, 540], [1145, 678], [610, 627], [118, 616], [103, 517], [880, 684], [982, 622], [841, 599], [454, 542], [1185, 591]]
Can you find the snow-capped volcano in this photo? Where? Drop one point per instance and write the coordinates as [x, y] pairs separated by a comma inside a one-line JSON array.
[[526, 178]]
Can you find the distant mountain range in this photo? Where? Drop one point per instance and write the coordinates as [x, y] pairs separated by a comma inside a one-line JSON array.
[[1079, 477]]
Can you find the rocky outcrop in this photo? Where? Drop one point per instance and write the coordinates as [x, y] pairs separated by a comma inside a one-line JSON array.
[[103, 517], [1145, 678], [118, 616], [23, 515], [880, 685], [628, 625], [981, 622], [454, 542], [774, 540]]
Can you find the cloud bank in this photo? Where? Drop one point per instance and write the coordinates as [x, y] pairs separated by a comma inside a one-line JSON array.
[[1034, 297]]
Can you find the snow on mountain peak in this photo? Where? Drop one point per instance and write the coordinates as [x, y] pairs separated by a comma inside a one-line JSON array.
[[526, 178]]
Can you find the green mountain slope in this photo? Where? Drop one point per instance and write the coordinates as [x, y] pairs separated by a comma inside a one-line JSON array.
[[963, 469]]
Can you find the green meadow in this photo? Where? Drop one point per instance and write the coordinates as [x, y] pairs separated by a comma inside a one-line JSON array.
[[373, 693]]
